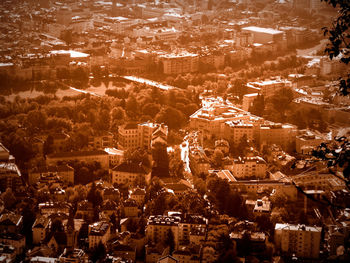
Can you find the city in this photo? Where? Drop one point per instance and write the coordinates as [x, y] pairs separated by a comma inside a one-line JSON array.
[[182, 131]]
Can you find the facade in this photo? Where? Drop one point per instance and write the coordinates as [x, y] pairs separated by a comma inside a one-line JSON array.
[[102, 141], [234, 131], [40, 229], [180, 63], [264, 35], [132, 136], [158, 227], [275, 133], [128, 136], [301, 240], [249, 167], [99, 232], [211, 119], [248, 100], [128, 172], [99, 156], [268, 87]]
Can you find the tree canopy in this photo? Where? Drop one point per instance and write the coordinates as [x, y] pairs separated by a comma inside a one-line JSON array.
[[339, 39]]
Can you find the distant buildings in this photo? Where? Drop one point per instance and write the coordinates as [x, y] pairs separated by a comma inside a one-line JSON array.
[[303, 241], [264, 35], [99, 232], [10, 175]]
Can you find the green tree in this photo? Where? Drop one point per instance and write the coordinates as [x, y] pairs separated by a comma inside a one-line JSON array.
[[339, 36]]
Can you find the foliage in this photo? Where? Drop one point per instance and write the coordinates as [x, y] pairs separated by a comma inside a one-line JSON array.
[[339, 38], [337, 155]]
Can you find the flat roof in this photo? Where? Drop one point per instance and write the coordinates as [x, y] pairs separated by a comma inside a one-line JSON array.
[[263, 30]]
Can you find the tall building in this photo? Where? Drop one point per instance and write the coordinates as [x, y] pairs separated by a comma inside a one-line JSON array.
[[301, 240]]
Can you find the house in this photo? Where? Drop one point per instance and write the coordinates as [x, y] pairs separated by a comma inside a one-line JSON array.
[[109, 207], [40, 229], [11, 223], [99, 232], [138, 195], [130, 208], [15, 240], [57, 241], [128, 172]]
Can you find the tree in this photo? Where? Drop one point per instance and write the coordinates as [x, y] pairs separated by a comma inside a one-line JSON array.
[[9, 198], [98, 253], [170, 241], [160, 160], [339, 39]]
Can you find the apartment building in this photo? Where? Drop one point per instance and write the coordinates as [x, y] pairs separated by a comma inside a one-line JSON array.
[[180, 63], [158, 227], [268, 87], [132, 135], [99, 232], [301, 240], [249, 167], [128, 172], [276, 133]]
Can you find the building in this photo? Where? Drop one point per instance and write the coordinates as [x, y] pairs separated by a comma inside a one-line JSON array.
[[101, 141], [158, 227], [276, 133], [180, 63], [301, 240], [132, 136], [115, 156], [64, 172], [10, 175], [99, 232], [248, 100], [99, 156], [234, 131], [210, 119], [11, 223], [128, 172], [40, 229], [73, 256], [307, 142], [249, 167], [259, 186], [17, 241], [268, 87], [149, 132], [264, 35], [138, 195]]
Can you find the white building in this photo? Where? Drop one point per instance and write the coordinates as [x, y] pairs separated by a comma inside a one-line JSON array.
[[301, 240]]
